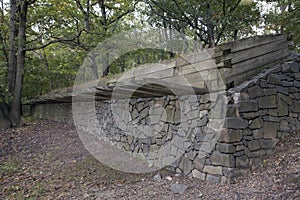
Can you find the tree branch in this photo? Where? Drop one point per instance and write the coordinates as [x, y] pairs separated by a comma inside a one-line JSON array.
[[58, 40]]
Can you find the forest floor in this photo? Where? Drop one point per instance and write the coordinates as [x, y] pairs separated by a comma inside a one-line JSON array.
[[46, 160]]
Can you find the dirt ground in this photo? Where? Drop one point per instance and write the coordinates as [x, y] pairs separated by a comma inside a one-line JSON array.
[[46, 160]]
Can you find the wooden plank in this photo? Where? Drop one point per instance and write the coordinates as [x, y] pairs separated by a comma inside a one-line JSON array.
[[243, 55], [196, 67], [135, 72], [249, 43], [157, 71], [261, 60], [247, 75], [127, 88], [188, 59], [248, 68], [182, 88]]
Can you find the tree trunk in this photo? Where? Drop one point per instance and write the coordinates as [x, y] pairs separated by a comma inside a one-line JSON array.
[[104, 23], [210, 27], [15, 115], [12, 46]]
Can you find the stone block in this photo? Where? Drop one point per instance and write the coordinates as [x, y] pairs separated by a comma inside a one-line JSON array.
[[282, 108], [268, 144], [285, 68], [297, 84], [270, 130], [294, 67], [225, 148], [272, 112], [253, 115], [239, 153], [271, 118], [270, 91], [242, 161], [255, 92], [221, 159], [186, 165], [295, 107], [231, 111], [283, 90], [258, 134], [199, 161], [254, 145], [287, 83], [217, 170], [274, 79], [297, 96], [235, 123], [248, 106], [248, 137], [268, 102], [230, 136], [198, 174], [256, 123], [239, 147], [244, 96], [213, 179], [294, 89], [297, 76], [204, 147], [259, 153]]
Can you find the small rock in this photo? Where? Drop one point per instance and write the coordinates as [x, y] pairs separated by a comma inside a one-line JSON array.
[[169, 178], [179, 188], [157, 177]]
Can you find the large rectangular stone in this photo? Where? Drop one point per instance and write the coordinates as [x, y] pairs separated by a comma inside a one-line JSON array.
[[254, 145], [225, 148], [270, 130], [217, 170], [295, 107], [282, 108], [230, 136], [198, 174], [256, 91], [274, 79], [213, 179], [268, 102], [221, 159], [248, 106], [236, 123]]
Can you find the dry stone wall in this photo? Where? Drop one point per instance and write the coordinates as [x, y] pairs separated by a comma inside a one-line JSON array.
[[214, 137]]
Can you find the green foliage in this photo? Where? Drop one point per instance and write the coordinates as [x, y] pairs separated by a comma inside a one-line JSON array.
[[284, 18], [209, 21]]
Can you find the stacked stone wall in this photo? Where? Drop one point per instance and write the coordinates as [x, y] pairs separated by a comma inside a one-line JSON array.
[[213, 137]]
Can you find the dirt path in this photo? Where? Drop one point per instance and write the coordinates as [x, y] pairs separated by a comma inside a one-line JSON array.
[[46, 160]]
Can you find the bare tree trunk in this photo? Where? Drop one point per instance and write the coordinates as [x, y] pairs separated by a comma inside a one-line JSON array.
[[15, 115]]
